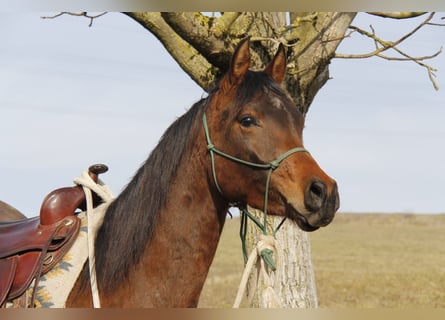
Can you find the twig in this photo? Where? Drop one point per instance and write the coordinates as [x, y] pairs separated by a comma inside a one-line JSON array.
[[348, 35], [298, 20], [397, 15], [80, 14], [409, 58], [274, 40], [382, 46]]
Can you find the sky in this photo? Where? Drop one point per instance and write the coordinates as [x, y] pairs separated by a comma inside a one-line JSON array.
[[73, 95]]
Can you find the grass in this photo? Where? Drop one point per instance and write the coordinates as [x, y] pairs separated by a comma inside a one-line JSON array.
[[360, 261]]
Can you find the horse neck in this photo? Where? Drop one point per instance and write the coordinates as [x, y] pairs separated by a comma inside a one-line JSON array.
[[175, 264]]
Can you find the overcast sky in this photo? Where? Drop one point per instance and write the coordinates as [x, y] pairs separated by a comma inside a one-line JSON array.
[[71, 96]]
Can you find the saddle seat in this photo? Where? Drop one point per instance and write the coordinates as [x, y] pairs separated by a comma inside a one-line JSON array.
[[31, 247]]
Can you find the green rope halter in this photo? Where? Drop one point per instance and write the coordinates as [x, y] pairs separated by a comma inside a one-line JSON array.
[[245, 214]]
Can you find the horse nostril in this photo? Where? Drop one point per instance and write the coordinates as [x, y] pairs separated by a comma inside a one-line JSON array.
[[315, 196]]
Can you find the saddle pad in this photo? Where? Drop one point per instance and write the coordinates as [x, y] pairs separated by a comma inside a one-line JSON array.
[[56, 285]]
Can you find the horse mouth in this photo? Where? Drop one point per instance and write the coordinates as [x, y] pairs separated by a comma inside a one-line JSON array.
[[304, 225], [300, 219]]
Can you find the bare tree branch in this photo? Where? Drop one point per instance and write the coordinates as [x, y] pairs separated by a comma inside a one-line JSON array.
[[188, 58], [397, 15], [409, 58], [205, 52], [80, 14], [437, 24], [212, 46], [290, 32], [382, 45], [223, 23]]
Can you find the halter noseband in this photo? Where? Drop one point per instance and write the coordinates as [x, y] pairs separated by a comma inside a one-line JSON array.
[[271, 166]]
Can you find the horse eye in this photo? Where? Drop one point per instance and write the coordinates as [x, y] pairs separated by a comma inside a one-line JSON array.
[[248, 121]]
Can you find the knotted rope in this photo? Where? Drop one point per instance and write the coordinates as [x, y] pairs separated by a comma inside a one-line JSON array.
[[105, 193], [267, 243]]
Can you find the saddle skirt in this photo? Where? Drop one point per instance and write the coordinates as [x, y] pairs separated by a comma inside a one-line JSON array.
[[57, 282], [29, 249]]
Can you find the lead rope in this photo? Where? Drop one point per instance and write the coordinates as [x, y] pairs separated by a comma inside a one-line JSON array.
[[270, 297], [267, 248], [267, 245], [105, 193]]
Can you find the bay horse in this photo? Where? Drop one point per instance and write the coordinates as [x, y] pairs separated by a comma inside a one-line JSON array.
[[159, 236]]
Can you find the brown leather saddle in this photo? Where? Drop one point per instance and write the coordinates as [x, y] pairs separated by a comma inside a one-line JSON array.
[[31, 247]]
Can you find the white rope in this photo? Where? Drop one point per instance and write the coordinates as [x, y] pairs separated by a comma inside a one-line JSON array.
[[105, 193], [269, 294], [99, 188]]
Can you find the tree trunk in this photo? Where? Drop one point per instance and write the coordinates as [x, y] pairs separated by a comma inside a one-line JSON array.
[[202, 46], [297, 279]]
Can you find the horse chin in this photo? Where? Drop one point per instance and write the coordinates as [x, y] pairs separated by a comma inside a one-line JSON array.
[[300, 219], [302, 223]]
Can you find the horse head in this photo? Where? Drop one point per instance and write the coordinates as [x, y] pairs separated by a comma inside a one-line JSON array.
[[254, 134]]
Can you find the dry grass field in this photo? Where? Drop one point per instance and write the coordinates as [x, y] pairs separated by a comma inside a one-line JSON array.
[[360, 261]]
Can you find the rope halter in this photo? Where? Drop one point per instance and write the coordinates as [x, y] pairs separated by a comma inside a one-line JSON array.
[[271, 166]]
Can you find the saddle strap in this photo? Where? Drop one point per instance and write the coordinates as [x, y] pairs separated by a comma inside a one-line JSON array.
[[62, 242], [27, 269], [7, 270]]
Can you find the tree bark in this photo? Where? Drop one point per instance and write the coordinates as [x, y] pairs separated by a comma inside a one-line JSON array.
[[297, 279], [315, 43]]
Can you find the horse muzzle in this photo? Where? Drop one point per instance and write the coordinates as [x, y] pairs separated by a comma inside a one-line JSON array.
[[320, 205]]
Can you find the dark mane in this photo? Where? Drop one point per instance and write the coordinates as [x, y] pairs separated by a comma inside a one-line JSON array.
[[131, 218]]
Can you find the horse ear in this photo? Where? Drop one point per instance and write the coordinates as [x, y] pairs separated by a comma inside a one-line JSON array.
[[239, 65], [277, 67]]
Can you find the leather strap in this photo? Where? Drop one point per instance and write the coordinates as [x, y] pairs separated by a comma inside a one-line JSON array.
[[7, 270]]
